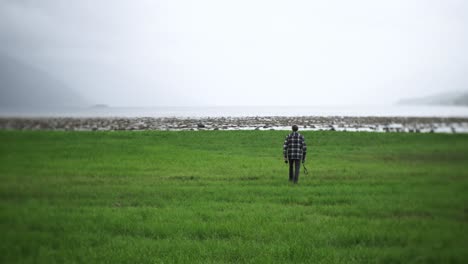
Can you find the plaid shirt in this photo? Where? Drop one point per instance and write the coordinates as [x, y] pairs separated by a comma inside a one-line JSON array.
[[294, 146]]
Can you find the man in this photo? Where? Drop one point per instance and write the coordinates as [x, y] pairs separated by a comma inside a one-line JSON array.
[[294, 151]]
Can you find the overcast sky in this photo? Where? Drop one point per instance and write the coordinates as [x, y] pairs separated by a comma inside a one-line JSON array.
[[252, 52]]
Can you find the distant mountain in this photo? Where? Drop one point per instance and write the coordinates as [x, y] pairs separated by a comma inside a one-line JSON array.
[[22, 85], [458, 98]]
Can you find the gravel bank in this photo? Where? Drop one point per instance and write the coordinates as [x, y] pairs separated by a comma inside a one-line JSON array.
[[315, 123]]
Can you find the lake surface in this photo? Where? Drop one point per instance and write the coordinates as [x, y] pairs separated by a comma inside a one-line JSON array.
[[241, 111]]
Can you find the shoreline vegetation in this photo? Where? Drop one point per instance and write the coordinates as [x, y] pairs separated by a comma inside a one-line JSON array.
[[306, 123], [224, 197]]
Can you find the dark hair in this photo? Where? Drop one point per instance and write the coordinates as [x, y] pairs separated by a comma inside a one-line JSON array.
[[295, 128]]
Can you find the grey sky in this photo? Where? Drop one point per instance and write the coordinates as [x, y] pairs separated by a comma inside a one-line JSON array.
[[255, 52]]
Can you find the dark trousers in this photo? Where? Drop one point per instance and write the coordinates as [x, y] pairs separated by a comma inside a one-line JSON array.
[[294, 168]]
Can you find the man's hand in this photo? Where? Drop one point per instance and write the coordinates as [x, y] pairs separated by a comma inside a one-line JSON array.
[[303, 161], [285, 160]]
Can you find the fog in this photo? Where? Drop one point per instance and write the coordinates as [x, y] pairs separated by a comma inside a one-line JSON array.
[[264, 52]]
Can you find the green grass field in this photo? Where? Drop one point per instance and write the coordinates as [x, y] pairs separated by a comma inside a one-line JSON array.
[[224, 197]]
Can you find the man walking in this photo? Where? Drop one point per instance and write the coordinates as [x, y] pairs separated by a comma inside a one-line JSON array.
[[294, 151]]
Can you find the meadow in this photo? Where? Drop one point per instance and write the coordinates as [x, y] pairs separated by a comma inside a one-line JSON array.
[[224, 197]]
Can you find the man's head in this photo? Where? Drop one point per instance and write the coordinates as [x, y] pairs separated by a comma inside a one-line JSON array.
[[295, 128]]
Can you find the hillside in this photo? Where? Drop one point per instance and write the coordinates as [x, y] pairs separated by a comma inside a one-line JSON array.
[[23, 85], [459, 98]]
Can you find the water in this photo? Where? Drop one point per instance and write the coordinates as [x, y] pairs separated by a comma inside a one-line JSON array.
[[241, 111]]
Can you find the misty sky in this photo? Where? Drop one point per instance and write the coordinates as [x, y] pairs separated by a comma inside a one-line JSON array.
[[255, 52]]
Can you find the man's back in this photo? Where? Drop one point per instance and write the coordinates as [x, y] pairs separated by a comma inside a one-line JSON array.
[[294, 146]]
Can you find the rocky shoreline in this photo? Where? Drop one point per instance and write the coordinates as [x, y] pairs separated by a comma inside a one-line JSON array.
[[313, 123]]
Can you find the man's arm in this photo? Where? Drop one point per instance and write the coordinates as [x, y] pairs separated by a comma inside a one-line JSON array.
[[285, 148], [304, 150]]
